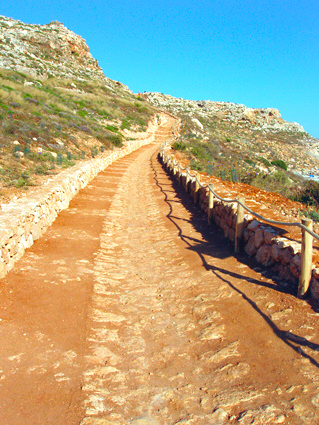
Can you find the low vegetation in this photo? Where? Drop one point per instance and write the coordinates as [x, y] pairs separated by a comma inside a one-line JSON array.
[[51, 123], [223, 146]]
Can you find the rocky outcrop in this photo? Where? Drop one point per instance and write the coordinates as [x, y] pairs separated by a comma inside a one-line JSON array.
[[265, 119], [47, 50]]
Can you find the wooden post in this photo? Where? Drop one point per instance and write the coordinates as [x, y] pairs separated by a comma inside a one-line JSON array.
[[187, 180], [239, 224], [306, 258], [179, 174], [197, 188], [210, 204]]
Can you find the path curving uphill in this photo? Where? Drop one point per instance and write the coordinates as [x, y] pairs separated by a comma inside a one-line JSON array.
[[131, 310]]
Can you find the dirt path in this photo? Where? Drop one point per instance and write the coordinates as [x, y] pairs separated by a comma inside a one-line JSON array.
[[131, 310]]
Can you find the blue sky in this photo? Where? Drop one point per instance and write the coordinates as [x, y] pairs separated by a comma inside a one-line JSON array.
[[261, 53]]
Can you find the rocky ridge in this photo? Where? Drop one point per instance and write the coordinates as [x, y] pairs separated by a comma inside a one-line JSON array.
[[50, 50], [268, 119]]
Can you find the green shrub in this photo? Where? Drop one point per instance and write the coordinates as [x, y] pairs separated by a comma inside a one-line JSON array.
[[312, 214], [278, 182], [265, 161], [179, 146], [249, 161], [307, 194], [82, 114], [196, 165], [21, 182], [280, 163], [116, 140], [112, 128], [125, 125], [41, 169]]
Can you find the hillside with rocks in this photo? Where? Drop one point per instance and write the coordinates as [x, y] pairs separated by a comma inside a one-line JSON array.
[[56, 105], [235, 136]]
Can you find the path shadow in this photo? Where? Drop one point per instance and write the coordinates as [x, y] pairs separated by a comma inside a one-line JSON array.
[[213, 244]]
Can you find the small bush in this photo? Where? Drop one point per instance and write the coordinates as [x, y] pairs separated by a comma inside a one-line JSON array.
[[41, 169], [312, 214], [278, 182], [179, 146], [308, 194], [125, 125], [112, 128], [84, 128], [265, 161], [280, 163], [196, 165], [249, 161], [82, 114]]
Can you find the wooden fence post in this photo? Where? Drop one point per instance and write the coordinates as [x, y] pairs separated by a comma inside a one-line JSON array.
[[166, 163], [187, 180], [179, 174], [197, 189], [210, 203], [239, 224], [306, 258]]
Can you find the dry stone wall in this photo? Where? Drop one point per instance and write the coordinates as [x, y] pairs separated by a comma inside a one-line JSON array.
[[25, 220], [271, 250]]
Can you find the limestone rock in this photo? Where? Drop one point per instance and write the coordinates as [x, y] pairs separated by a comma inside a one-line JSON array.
[[275, 252], [259, 238], [246, 235], [314, 288], [285, 256], [218, 417], [250, 247], [253, 225], [266, 118], [269, 235], [295, 265], [264, 257]]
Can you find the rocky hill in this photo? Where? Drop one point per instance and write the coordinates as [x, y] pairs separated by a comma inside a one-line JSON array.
[[56, 105], [235, 136], [46, 51]]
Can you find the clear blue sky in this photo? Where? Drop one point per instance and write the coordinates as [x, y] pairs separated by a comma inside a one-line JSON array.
[[262, 53]]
